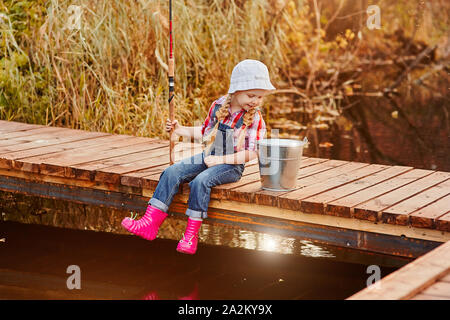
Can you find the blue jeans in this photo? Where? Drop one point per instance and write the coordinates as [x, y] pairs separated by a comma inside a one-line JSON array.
[[201, 179]]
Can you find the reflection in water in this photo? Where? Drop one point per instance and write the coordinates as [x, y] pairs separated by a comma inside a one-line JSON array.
[[238, 238], [34, 260], [311, 250], [269, 243], [264, 242], [193, 295]]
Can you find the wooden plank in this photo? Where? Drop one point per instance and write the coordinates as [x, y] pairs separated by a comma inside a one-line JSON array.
[[113, 173], [10, 126], [13, 160], [32, 160], [57, 163], [33, 131], [438, 289], [446, 278], [6, 142], [11, 142], [322, 171], [221, 191], [344, 207], [250, 169], [88, 170], [410, 280], [151, 179], [313, 166], [126, 155], [308, 167], [48, 145], [325, 181], [318, 203], [249, 175], [156, 157], [23, 133], [323, 199], [44, 140], [400, 213], [370, 236], [65, 182], [21, 143], [129, 158], [144, 153], [331, 184], [426, 217], [306, 180], [97, 145], [134, 179], [369, 210], [422, 296], [443, 223], [245, 193]]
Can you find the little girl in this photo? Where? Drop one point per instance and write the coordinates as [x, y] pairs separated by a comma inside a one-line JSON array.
[[229, 134]]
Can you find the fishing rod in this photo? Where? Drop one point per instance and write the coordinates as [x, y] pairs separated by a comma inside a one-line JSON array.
[[171, 70]]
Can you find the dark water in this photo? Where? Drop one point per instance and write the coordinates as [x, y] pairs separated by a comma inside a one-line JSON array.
[[34, 261]]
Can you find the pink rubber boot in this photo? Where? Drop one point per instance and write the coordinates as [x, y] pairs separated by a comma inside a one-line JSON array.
[[188, 244], [146, 227]]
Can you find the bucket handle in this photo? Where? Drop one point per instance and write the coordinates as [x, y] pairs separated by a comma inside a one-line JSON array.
[[306, 142]]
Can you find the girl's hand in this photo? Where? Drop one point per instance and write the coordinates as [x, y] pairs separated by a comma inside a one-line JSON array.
[[175, 125], [213, 161]]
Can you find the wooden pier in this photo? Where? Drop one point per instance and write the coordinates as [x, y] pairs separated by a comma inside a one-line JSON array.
[[395, 210], [426, 278]]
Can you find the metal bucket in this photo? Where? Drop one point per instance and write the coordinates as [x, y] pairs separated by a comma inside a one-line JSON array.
[[279, 162]]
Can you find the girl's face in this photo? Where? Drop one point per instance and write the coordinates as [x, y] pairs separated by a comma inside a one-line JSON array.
[[248, 99]]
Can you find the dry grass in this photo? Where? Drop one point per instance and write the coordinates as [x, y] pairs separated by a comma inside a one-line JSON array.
[[109, 75]]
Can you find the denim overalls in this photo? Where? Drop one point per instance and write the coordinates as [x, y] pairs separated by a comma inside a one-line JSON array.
[[201, 178]]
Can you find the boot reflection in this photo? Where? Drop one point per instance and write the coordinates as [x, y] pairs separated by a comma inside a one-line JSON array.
[[193, 295], [151, 296]]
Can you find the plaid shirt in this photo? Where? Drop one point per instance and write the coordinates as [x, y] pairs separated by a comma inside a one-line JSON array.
[[256, 131]]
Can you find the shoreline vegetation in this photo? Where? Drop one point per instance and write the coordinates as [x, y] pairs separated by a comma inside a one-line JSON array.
[[101, 65]]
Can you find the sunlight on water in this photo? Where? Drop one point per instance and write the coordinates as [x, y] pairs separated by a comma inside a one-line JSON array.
[[264, 242], [126, 267], [274, 243], [311, 250]]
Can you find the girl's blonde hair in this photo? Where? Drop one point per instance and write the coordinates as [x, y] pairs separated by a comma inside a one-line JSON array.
[[221, 114]]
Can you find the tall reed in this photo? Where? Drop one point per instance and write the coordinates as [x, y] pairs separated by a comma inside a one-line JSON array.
[[108, 72]]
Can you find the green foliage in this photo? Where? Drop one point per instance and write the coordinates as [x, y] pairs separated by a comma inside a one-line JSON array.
[[23, 85]]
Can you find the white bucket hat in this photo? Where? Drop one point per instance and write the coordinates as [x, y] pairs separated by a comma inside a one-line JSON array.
[[250, 74]]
